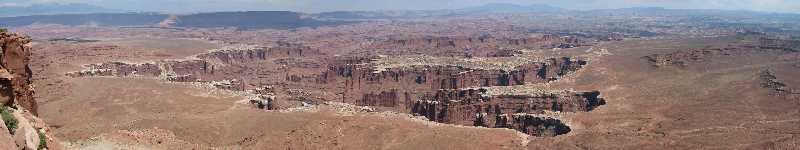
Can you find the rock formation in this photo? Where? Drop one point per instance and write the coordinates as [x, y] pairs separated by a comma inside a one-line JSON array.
[[780, 44], [684, 58], [475, 107], [475, 45], [449, 93], [244, 54], [211, 66], [442, 91], [264, 98], [15, 73], [226, 68], [363, 81], [776, 86], [19, 126], [533, 125]]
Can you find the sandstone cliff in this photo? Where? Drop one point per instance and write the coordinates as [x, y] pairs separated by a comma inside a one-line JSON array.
[[520, 111], [363, 83], [16, 75], [19, 127], [448, 94]]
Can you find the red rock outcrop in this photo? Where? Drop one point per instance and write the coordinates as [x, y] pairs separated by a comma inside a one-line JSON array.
[[361, 81], [232, 56], [176, 71], [18, 105], [760, 45], [473, 107], [221, 64], [446, 93], [224, 68], [16, 75], [684, 58]]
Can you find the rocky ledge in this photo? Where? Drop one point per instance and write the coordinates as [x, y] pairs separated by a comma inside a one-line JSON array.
[[474, 107], [454, 91]]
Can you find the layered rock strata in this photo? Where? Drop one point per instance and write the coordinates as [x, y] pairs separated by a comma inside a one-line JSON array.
[[227, 68], [452, 94], [760, 45], [362, 82], [244, 53], [685, 58], [216, 65], [474, 108]]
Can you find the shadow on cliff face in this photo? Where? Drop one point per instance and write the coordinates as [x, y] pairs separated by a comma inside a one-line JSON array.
[[528, 124], [540, 126], [594, 100], [524, 112]]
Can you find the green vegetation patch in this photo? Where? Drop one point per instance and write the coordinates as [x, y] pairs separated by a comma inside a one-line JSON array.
[[8, 118], [42, 140]]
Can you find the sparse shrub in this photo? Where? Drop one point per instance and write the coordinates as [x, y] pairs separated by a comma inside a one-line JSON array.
[[3, 30], [42, 140], [8, 118]]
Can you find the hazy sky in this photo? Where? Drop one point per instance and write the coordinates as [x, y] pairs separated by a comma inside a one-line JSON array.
[[792, 6]]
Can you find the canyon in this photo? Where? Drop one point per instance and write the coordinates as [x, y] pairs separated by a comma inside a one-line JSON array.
[[638, 78], [415, 89]]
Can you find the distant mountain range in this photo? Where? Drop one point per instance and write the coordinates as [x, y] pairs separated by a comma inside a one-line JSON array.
[[101, 19], [510, 8], [241, 20], [81, 14], [53, 8], [251, 20], [483, 9], [79, 8]]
